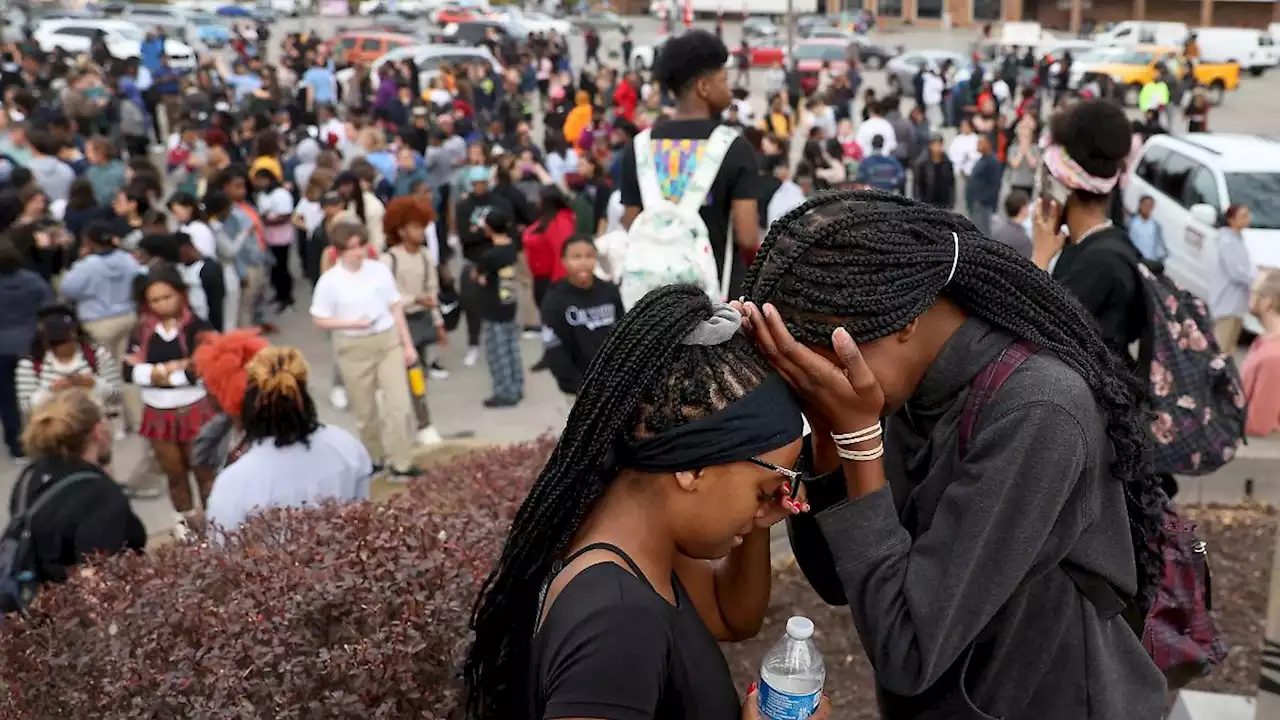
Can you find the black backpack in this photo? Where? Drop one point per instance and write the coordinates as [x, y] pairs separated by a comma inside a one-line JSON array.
[[18, 581]]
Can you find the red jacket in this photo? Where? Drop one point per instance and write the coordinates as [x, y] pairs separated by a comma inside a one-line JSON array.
[[625, 100], [542, 245]]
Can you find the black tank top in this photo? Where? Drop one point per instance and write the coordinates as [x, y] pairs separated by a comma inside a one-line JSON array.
[[611, 647]]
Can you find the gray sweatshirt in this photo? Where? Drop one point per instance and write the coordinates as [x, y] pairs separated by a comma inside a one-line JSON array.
[[954, 569]]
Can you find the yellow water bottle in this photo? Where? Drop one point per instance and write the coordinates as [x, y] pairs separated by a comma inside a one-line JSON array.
[[417, 382]]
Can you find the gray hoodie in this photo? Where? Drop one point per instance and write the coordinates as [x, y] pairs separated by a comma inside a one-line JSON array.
[[53, 176], [307, 152], [955, 569], [101, 284]]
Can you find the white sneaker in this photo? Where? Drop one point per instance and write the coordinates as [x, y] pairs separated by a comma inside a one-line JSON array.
[[338, 398], [472, 357], [438, 373], [429, 436], [182, 532], [530, 335]]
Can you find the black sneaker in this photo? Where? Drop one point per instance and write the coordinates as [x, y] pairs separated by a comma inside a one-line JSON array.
[[496, 402], [540, 365], [378, 468], [404, 476]]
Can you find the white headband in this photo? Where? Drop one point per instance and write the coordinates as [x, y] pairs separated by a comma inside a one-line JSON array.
[[955, 259]]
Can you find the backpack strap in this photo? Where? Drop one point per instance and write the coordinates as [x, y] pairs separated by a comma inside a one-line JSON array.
[[704, 176], [23, 513], [985, 385], [646, 171]]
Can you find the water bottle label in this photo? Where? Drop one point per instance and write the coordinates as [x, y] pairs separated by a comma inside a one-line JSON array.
[[778, 705]]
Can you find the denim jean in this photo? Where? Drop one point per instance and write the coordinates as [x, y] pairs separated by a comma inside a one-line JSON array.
[[502, 352]]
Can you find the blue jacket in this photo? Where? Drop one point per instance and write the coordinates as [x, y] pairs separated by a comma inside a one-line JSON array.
[[101, 284], [983, 188], [152, 50], [22, 294], [882, 172]]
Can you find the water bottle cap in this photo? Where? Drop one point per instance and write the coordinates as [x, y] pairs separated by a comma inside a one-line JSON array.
[[800, 627]]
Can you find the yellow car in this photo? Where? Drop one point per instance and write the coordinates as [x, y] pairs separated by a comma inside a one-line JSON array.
[[1138, 66]]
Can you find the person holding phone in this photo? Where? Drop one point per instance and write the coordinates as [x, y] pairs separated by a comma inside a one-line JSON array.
[[1083, 158]]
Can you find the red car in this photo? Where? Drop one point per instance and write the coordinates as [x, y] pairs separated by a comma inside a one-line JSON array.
[[765, 52], [446, 15], [812, 54]]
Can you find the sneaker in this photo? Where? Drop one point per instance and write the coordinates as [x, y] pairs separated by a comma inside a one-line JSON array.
[[429, 436], [182, 532], [403, 476], [435, 372], [378, 468], [495, 402], [338, 398], [472, 357], [531, 333], [540, 365]]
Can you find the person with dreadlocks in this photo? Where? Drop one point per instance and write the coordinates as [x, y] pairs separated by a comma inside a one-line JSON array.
[[158, 361], [645, 538], [988, 545], [293, 460]]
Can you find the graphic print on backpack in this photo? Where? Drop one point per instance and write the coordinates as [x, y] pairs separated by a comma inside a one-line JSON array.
[[1195, 393], [668, 242]]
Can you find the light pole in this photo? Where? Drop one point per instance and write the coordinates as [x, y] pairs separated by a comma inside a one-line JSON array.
[[791, 30]]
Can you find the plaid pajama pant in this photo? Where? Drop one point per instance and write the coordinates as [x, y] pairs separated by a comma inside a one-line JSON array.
[[502, 353]]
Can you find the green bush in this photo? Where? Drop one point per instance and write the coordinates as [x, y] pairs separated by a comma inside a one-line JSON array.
[[355, 611]]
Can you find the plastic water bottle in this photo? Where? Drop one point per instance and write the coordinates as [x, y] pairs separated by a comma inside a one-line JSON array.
[[792, 674]]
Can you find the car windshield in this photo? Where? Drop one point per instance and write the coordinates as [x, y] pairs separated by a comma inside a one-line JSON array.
[[130, 32], [1258, 192], [1133, 58], [1100, 55], [819, 52]]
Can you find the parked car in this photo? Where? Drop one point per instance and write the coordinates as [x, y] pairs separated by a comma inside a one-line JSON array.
[[1193, 178], [643, 56], [1253, 50], [453, 14], [364, 46], [541, 22], [428, 58], [873, 55], [209, 31], [173, 20], [766, 51], [758, 27], [124, 40], [474, 32], [602, 20], [903, 68], [235, 11], [806, 24], [812, 55], [1131, 70]]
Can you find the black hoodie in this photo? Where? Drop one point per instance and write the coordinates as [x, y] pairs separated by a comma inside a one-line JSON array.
[[576, 321], [91, 516]]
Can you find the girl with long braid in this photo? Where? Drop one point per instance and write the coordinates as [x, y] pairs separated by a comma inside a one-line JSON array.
[[989, 535], [645, 538]]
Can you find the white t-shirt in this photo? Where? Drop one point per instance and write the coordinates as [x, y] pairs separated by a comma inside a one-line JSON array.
[[311, 213], [874, 126], [369, 292], [933, 88], [202, 237], [613, 212], [964, 153]]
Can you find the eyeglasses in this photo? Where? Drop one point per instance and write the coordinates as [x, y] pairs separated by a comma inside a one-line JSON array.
[[795, 476]]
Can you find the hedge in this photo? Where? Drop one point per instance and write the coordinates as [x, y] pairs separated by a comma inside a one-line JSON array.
[[356, 611]]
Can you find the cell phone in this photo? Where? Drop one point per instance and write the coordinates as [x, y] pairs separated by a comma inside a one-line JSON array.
[[1050, 190]]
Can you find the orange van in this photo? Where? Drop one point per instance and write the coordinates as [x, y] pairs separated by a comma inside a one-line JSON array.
[[364, 46]]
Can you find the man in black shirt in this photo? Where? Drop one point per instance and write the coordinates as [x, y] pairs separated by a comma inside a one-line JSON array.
[[495, 274], [692, 68], [470, 216]]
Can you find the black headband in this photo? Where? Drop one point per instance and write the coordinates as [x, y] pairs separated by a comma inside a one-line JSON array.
[[765, 419]]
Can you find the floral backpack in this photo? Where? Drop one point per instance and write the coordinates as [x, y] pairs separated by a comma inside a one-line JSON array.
[[1195, 393]]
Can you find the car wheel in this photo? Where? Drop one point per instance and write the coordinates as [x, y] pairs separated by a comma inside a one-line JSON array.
[[1257, 71], [1217, 93], [874, 62]]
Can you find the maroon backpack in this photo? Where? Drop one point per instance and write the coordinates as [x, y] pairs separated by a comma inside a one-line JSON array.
[[1178, 632]]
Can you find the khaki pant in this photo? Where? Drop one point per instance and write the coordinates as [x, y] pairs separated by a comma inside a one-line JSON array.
[[1227, 332], [112, 333], [255, 281], [369, 364], [527, 308]]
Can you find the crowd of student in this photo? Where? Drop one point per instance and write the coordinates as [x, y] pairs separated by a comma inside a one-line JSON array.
[[411, 209]]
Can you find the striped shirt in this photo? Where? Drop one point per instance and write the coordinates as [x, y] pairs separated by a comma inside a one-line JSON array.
[[34, 388]]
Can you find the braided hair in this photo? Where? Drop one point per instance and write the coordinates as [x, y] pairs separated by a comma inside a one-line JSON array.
[[276, 402], [641, 382], [872, 262]]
